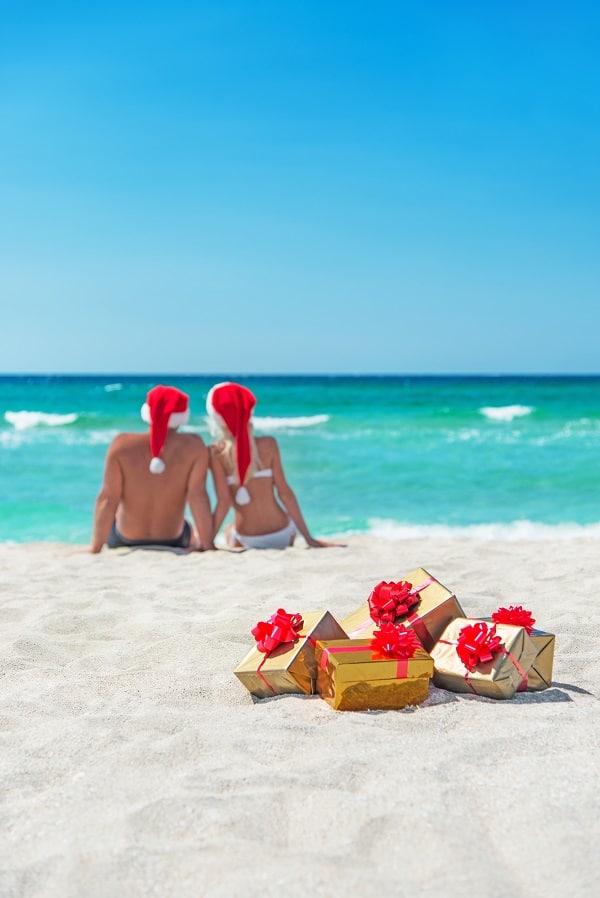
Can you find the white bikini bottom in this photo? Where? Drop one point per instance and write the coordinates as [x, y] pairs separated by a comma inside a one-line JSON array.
[[279, 539]]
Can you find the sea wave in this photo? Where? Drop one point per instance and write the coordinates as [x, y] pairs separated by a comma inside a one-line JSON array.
[[27, 438], [580, 428], [25, 420], [272, 423], [110, 388], [505, 412], [512, 532]]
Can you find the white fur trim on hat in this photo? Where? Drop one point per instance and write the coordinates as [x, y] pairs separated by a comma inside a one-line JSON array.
[[176, 419], [216, 424], [157, 465]]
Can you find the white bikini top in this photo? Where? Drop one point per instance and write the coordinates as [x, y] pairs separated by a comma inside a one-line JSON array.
[[263, 472]]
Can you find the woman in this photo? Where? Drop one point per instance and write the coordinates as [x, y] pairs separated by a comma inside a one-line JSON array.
[[247, 472]]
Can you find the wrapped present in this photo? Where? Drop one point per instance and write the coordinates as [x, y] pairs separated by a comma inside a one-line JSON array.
[[539, 675], [420, 602], [283, 659], [389, 671], [482, 658]]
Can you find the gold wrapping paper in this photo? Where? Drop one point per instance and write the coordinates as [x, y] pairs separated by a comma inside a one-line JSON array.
[[291, 667], [539, 675], [499, 678], [352, 681], [436, 608]]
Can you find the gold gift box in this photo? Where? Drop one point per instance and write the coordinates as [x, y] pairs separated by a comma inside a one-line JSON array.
[[291, 667], [353, 681], [436, 608], [539, 675], [499, 678]]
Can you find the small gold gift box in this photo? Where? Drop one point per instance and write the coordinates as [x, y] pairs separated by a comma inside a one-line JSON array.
[[498, 678], [539, 675], [291, 667], [437, 606], [350, 680]]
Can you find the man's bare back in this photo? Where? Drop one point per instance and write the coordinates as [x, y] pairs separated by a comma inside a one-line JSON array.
[[150, 507]]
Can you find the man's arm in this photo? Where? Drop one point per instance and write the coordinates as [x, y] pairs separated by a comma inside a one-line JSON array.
[[107, 501], [198, 500]]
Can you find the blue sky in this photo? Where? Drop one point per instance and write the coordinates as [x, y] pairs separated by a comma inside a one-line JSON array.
[[300, 186]]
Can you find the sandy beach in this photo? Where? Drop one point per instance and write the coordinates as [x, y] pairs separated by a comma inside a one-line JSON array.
[[134, 763]]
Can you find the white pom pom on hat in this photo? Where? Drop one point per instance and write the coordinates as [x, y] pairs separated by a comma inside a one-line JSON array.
[[165, 408], [157, 465], [242, 496]]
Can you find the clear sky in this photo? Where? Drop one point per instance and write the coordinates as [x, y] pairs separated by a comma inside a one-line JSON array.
[[300, 186]]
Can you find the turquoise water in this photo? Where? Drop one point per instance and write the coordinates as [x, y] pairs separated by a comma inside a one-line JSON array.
[[500, 457]]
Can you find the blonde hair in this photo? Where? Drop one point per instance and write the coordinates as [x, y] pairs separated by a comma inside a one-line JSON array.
[[225, 446]]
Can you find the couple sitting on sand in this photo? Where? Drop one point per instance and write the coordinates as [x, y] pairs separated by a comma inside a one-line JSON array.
[[148, 482]]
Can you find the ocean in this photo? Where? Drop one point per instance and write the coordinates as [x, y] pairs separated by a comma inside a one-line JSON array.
[[397, 457]]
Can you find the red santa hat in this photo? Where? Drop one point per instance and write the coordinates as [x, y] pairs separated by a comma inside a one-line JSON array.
[[231, 406], [165, 407]]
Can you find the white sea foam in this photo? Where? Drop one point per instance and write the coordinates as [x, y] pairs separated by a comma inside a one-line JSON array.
[[10, 439], [272, 423], [110, 388], [464, 435], [512, 532], [15, 439], [581, 428], [267, 423], [25, 420], [506, 412], [88, 438]]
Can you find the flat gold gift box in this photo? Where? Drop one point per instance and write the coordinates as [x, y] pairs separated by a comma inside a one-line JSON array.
[[499, 678], [539, 675], [429, 618], [291, 667], [353, 681]]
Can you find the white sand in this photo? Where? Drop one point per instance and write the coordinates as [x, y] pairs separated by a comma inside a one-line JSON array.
[[134, 763]]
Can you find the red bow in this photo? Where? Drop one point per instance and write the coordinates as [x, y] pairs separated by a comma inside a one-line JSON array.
[[515, 615], [477, 644], [389, 601], [281, 627], [394, 641]]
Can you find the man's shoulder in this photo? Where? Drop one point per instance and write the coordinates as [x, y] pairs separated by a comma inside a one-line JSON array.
[[125, 440], [193, 441]]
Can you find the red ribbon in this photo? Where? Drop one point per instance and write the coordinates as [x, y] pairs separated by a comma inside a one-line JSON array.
[[477, 644], [393, 642], [515, 615], [411, 599], [281, 627], [389, 601]]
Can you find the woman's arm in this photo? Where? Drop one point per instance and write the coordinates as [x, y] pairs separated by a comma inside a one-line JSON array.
[[222, 492], [289, 501]]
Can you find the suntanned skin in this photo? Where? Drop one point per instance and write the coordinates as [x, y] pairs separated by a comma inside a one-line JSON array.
[[152, 506], [264, 513]]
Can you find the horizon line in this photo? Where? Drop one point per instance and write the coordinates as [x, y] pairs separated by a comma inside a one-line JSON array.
[[297, 374]]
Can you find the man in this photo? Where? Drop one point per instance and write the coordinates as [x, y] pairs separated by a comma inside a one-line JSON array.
[[147, 482]]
